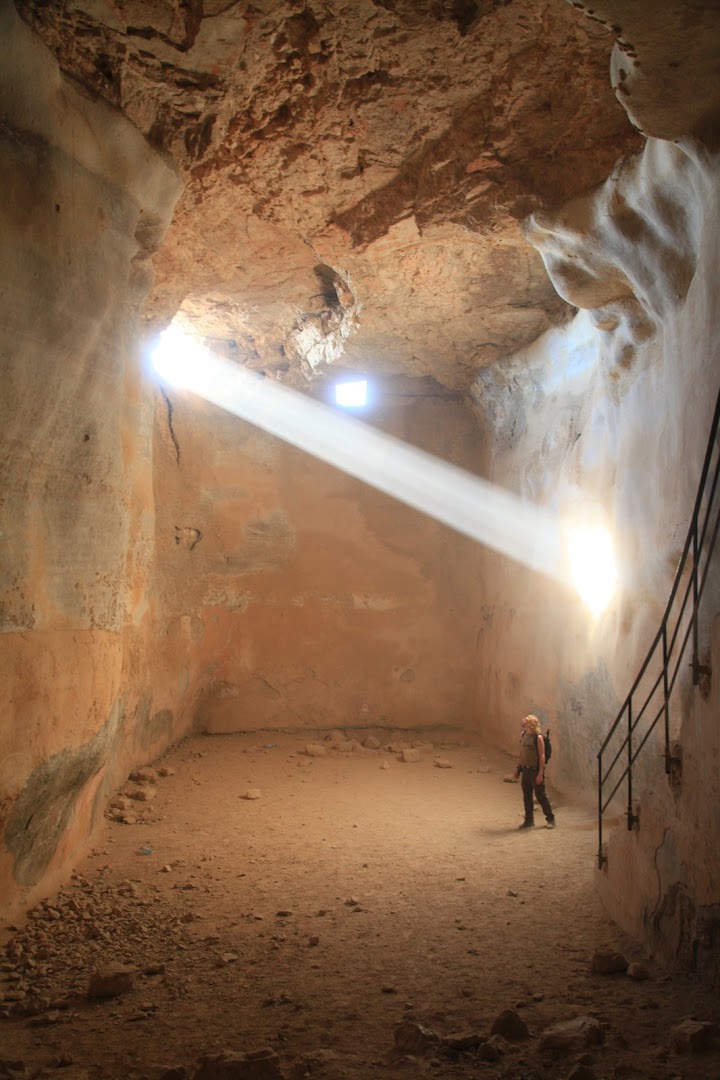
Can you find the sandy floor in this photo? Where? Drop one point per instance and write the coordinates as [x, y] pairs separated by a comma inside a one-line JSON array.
[[356, 891]]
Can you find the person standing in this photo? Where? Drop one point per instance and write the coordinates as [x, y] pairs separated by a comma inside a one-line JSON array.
[[531, 771]]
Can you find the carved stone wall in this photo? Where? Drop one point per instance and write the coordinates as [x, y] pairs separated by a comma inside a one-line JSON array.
[[616, 411], [292, 595], [84, 197]]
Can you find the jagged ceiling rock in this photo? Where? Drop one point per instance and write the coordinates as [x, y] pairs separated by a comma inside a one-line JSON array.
[[355, 172]]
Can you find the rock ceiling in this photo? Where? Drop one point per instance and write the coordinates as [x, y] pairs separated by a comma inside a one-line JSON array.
[[357, 171]]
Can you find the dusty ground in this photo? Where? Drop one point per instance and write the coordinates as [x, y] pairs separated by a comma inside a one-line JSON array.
[[356, 891]]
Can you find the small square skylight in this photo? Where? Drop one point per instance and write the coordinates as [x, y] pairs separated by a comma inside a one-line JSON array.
[[351, 394]]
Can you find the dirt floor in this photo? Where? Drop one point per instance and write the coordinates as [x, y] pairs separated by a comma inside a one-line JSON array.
[[343, 914]]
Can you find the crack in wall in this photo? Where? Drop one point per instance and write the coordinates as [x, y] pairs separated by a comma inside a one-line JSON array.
[[658, 849], [171, 429]]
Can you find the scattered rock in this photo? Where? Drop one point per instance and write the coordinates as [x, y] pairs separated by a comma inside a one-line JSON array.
[[283, 998], [492, 1049], [315, 750], [442, 763], [144, 776], [320, 1057], [638, 971], [255, 1065], [414, 1039], [385, 765], [691, 1036], [142, 794], [121, 802], [252, 793], [166, 770], [336, 738], [608, 962], [410, 755], [372, 743], [573, 1035], [226, 958], [46, 1019], [510, 1025], [460, 1043], [111, 981]]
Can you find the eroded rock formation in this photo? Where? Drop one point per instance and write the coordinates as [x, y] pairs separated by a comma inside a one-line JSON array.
[[395, 145]]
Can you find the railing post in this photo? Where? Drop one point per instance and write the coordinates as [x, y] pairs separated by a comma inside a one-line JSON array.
[[666, 691], [630, 816], [600, 812], [696, 646]]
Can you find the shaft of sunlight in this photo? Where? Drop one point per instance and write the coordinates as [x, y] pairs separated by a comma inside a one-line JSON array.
[[527, 533]]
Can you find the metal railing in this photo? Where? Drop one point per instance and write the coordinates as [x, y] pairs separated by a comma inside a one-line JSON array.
[[648, 702]]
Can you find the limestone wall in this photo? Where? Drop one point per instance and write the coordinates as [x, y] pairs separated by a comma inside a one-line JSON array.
[[84, 201], [288, 594], [615, 413]]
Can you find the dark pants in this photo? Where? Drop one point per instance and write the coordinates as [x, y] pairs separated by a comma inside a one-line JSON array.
[[528, 775]]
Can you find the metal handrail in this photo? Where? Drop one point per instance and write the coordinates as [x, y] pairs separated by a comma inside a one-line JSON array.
[[669, 644]]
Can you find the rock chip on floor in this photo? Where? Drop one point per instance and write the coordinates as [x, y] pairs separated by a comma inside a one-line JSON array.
[[147, 775], [111, 981], [142, 794], [255, 1065], [414, 1039], [609, 962], [492, 1049], [510, 1025], [691, 1036], [460, 1042], [573, 1035]]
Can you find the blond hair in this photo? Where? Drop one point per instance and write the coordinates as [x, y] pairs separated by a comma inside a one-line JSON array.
[[533, 724]]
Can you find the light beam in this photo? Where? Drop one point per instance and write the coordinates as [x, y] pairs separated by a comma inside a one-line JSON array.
[[504, 522]]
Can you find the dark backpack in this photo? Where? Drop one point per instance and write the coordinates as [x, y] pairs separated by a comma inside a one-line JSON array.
[[548, 746]]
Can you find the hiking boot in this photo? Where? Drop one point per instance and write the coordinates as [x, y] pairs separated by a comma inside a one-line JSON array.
[[526, 825], [550, 824]]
